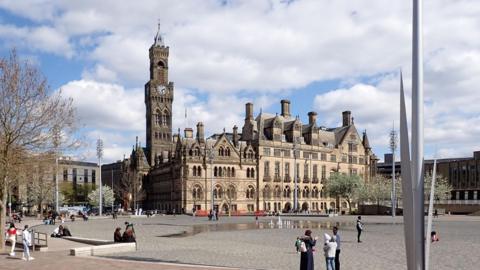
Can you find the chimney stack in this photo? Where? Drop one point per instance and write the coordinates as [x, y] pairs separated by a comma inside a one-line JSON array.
[[347, 118], [249, 111], [235, 136], [312, 118], [285, 108], [200, 132], [188, 133]]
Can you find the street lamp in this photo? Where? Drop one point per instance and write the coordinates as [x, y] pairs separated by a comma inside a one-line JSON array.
[[393, 147], [99, 156], [211, 156], [295, 174]]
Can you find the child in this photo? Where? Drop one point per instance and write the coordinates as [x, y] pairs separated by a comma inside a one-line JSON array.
[[297, 244], [27, 241], [434, 236]]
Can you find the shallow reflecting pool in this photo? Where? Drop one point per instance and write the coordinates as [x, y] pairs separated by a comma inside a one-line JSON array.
[[272, 224]]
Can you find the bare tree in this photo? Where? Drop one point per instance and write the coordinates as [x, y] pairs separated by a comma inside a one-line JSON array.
[[29, 113]]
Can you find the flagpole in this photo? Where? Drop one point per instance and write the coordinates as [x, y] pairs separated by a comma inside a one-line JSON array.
[[417, 137]]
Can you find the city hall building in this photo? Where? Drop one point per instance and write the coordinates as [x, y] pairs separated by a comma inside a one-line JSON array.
[[242, 170]]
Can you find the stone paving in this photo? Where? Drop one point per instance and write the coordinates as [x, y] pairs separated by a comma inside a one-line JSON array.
[[272, 248]]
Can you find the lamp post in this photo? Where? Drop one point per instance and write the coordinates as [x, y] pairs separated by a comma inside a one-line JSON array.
[[211, 156], [393, 147], [99, 156], [113, 201], [295, 173]]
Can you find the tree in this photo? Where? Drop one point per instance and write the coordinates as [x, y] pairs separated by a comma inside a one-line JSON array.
[[442, 190], [29, 113], [107, 194], [376, 190], [344, 186]]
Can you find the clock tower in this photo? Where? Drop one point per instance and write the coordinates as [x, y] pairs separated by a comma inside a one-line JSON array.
[[158, 101]]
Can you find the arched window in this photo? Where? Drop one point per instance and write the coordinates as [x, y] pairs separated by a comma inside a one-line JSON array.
[[194, 171], [221, 151], [227, 151], [277, 192], [252, 173], [215, 172], [197, 193], [250, 154], [248, 172], [306, 192], [197, 151], [190, 152], [286, 192], [233, 172], [218, 192], [158, 118], [165, 118], [267, 193], [250, 192], [229, 172], [315, 192], [231, 192], [199, 171], [220, 171]]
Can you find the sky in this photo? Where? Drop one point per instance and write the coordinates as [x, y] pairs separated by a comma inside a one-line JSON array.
[[325, 56]]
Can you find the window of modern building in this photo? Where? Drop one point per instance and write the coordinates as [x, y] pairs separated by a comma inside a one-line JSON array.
[[94, 176], [65, 175], [74, 176], [85, 175]]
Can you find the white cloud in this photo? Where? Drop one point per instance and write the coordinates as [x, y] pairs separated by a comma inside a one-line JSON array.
[[107, 106], [222, 55]]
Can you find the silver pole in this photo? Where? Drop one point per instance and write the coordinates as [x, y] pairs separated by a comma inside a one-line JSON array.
[[393, 147], [212, 183], [100, 155], [430, 210], [417, 137]]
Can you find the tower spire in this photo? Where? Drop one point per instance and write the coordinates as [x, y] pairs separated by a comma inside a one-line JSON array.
[[158, 41]]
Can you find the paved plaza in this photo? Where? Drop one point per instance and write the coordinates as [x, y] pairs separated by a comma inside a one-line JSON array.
[[240, 242]]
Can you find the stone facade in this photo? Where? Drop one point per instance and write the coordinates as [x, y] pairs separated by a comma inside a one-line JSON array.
[[249, 171]]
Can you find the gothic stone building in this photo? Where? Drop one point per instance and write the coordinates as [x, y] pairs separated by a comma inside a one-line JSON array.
[[248, 171]]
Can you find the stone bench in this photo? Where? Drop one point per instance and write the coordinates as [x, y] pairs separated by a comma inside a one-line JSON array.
[[88, 241], [103, 249]]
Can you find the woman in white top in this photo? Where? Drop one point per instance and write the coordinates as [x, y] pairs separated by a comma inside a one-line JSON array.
[[329, 249]]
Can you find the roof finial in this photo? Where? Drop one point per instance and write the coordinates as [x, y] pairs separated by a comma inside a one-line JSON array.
[[158, 41]]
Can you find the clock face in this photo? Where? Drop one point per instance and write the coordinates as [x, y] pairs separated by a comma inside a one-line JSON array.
[[161, 89]]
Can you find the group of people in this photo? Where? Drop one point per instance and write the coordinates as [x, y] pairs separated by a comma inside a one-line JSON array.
[[26, 241], [213, 214], [61, 231], [332, 245], [306, 246], [128, 235]]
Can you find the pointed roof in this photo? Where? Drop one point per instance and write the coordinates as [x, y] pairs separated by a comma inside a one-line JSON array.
[[158, 41], [366, 143]]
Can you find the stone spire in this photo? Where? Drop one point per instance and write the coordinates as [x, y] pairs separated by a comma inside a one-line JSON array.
[[158, 41]]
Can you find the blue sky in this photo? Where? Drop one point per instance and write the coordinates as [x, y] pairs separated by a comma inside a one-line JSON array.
[[325, 56]]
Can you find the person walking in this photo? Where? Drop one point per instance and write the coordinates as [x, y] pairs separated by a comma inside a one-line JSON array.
[[337, 251], [12, 238], [27, 242], [329, 249], [306, 257], [359, 228]]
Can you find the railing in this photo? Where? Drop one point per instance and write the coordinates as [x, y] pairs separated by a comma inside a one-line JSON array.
[[315, 180], [287, 179], [39, 239], [306, 180], [277, 178]]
